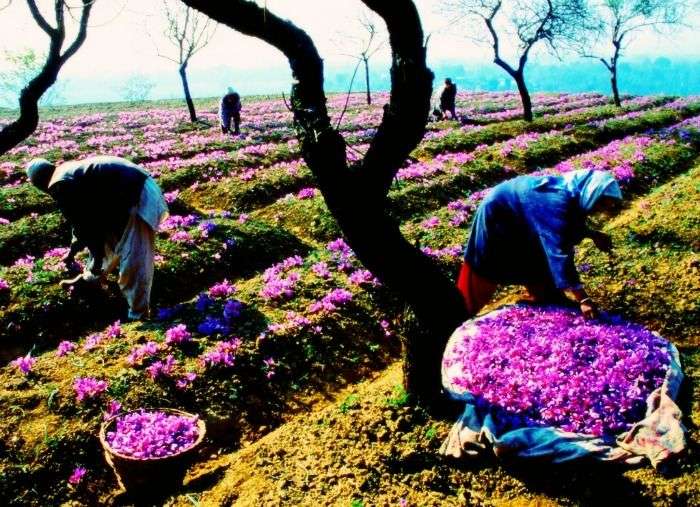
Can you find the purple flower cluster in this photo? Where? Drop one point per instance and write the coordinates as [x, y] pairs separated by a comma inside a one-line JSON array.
[[177, 335], [141, 352], [277, 286], [152, 434], [341, 254], [293, 322], [206, 228], [77, 476], [550, 367], [88, 387], [114, 331], [24, 363], [223, 353], [186, 380], [321, 270], [331, 301], [4, 285], [162, 368], [450, 252], [65, 348], [363, 277], [430, 223], [306, 193], [222, 289]]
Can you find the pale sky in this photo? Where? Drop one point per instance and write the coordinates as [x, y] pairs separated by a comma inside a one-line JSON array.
[[123, 36], [118, 40]]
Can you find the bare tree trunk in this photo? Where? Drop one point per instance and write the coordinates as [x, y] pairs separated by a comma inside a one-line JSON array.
[[615, 89], [524, 95], [369, 92], [26, 124], [17, 131], [186, 89], [356, 196]]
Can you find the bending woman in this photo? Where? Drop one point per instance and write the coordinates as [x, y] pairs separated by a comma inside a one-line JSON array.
[[524, 232]]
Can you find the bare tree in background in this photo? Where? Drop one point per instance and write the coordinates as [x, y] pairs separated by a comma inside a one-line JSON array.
[[620, 19], [368, 45], [356, 194], [22, 66], [17, 131], [189, 31], [554, 23], [137, 88]]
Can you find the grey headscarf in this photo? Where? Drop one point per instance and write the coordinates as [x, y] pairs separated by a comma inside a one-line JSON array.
[[39, 172]]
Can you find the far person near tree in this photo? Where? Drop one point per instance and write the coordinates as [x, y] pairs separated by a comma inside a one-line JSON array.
[[114, 208], [230, 110], [448, 96], [524, 233]]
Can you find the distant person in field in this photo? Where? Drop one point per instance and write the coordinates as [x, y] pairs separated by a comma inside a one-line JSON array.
[[230, 110], [448, 96], [524, 232], [114, 208]]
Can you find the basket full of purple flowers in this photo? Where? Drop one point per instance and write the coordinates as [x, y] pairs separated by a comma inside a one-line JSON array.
[[150, 450]]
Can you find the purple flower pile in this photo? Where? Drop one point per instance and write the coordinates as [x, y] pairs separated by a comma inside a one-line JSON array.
[[152, 434], [549, 367]]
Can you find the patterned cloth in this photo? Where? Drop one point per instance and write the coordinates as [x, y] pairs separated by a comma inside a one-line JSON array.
[[659, 437]]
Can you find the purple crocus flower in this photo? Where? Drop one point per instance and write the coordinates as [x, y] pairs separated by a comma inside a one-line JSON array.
[[77, 476]]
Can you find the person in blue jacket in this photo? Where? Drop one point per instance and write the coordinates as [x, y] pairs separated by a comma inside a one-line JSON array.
[[524, 232]]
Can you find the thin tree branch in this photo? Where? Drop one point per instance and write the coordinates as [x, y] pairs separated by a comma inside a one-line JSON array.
[[39, 18]]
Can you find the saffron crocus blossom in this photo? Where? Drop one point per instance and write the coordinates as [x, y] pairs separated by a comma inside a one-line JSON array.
[[306, 193], [223, 353], [24, 363], [141, 352], [177, 335], [162, 368], [321, 270], [550, 367], [430, 223], [152, 434], [114, 331], [363, 277], [186, 380], [331, 301], [65, 348], [77, 476], [222, 290], [113, 408], [87, 388]]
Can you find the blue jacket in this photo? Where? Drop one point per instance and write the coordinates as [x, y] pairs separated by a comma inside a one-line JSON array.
[[525, 231]]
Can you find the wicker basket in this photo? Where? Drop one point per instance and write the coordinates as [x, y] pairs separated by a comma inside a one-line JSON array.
[[153, 475]]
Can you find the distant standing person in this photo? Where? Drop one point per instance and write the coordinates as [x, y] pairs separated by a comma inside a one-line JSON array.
[[114, 208], [230, 109], [448, 98]]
